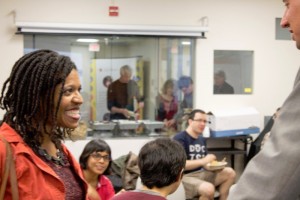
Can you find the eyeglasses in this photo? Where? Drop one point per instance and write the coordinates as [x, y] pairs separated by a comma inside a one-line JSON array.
[[98, 157], [200, 120]]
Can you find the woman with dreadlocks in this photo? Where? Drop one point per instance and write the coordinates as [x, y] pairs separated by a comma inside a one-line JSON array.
[[41, 98]]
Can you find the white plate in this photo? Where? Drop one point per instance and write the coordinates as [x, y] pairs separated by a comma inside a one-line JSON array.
[[217, 166]]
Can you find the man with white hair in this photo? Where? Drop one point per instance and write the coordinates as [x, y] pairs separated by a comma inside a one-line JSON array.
[[121, 95]]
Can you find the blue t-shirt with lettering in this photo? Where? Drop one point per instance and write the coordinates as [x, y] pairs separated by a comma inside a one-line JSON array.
[[194, 148]]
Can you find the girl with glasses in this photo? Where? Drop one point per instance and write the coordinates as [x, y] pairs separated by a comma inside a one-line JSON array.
[[95, 161]]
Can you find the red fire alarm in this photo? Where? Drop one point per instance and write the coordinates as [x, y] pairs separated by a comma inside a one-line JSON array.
[[113, 11]]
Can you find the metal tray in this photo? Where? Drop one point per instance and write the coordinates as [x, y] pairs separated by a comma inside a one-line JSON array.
[[96, 125], [127, 124], [152, 124]]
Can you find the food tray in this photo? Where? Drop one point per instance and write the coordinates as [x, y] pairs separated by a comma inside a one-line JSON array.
[[127, 124], [152, 124], [96, 125]]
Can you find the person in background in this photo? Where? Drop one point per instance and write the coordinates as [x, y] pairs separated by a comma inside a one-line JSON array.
[[185, 84], [167, 102], [198, 180], [220, 84], [161, 170], [121, 95], [95, 161], [274, 173], [107, 80], [42, 98]]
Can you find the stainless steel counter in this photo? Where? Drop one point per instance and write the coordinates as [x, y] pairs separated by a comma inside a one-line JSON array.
[[126, 128]]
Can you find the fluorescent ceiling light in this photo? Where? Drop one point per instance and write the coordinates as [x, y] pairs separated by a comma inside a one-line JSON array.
[[150, 30], [186, 43], [89, 40]]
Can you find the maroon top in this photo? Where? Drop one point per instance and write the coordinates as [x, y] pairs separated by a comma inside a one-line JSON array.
[[166, 109], [73, 185], [138, 195]]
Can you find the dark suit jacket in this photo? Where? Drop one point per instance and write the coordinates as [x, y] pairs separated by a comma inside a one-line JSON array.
[[256, 144], [274, 173]]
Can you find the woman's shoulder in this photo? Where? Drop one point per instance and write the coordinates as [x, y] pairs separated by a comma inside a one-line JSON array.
[[104, 180]]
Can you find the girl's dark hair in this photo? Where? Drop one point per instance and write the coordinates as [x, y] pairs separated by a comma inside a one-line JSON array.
[[96, 145], [28, 95]]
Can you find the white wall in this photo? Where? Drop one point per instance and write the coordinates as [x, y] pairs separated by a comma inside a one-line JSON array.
[[134, 145], [233, 24]]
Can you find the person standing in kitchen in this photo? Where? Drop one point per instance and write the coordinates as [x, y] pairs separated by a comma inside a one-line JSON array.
[[166, 102], [122, 95], [186, 85]]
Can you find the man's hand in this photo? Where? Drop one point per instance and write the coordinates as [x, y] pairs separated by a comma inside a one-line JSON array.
[[141, 104], [209, 158], [125, 112], [170, 123]]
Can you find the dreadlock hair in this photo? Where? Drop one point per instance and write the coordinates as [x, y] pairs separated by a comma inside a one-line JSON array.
[[28, 96]]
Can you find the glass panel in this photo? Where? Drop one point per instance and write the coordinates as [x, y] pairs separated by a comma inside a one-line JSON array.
[[281, 33], [233, 72], [157, 64]]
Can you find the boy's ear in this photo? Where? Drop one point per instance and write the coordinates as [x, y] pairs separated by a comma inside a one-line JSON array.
[[180, 175]]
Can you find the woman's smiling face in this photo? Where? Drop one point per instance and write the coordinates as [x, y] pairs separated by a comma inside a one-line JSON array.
[[98, 162], [68, 115]]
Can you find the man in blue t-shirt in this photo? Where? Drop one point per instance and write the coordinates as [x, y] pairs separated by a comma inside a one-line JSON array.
[[198, 179]]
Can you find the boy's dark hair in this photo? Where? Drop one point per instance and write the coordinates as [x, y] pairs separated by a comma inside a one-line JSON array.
[[161, 162]]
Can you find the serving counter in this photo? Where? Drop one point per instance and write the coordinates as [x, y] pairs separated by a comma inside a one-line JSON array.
[[126, 128]]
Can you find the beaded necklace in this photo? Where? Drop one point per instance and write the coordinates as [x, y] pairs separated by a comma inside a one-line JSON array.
[[58, 160]]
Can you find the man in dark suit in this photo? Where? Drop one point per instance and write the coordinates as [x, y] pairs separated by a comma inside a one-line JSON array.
[[274, 173]]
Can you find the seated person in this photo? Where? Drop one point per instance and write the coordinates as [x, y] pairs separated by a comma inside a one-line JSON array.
[[197, 179], [121, 95], [167, 103], [95, 161], [161, 170], [220, 84]]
